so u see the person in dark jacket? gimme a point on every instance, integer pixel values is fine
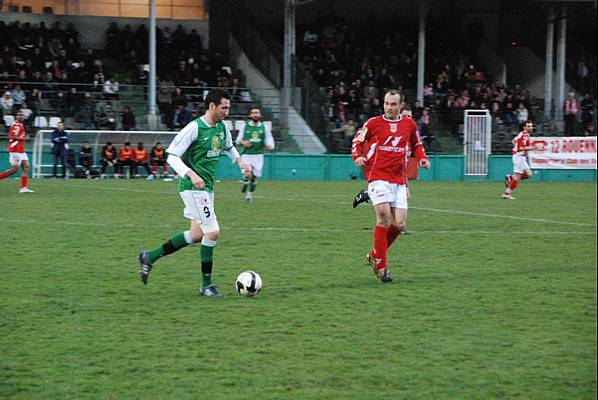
(60, 139)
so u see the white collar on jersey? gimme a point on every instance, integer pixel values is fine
(392, 120)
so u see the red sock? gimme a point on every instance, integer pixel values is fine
(513, 184)
(155, 167)
(380, 245)
(4, 174)
(524, 176)
(24, 179)
(392, 235)
(165, 169)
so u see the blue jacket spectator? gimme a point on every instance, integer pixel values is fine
(60, 140)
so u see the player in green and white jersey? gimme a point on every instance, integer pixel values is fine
(254, 136)
(194, 155)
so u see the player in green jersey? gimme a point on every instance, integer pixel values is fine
(194, 155)
(254, 136)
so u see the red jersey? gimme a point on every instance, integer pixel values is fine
(521, 140)
(384, 144)
(17, 130)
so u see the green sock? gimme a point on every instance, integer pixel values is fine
(252, 187)
(206, 265)
(176, 242)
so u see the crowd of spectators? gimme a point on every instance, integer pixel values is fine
(356, 66)
(39, 63)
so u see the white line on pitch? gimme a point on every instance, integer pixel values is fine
(285, 229)
(438, 210)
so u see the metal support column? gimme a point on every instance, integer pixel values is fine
(560, 63)
(151, 91)
(421, 51)
(548, 68)
(288, 60)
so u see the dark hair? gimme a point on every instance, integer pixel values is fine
(127, 143)
(215, 96)
(406, 108)
(393, 92)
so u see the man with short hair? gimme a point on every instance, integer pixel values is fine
(522, 144)
(381, 146)
(194, 155)
(17, 136)
(254, 137)
(60, 139)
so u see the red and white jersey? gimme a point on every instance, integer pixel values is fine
(17, 130)
(384, 143)
(521, 140)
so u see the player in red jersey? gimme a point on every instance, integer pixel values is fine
(388, 138)
(17, 136)
(521, 170)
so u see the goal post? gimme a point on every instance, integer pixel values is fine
(477, 141)
(43, 162)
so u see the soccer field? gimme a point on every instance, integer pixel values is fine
(492, 299)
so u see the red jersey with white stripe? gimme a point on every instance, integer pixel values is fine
(521, 140)
(384, 144)
(17, 130)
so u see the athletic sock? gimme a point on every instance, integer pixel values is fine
(4, 174)
(392, 235)
(513, 184)
(24, 180)
(380, 245)
(207, 252)
(176, 242)
(252, 186)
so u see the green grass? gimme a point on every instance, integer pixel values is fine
(485, 304)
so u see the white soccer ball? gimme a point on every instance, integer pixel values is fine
(249, 283)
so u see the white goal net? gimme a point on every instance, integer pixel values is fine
(477, 135)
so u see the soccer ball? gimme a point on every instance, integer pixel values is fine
(249, 283)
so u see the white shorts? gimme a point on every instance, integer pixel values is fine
(256, 161)
(17, 158)
(386, 192)
(520, 165)
(199, 206)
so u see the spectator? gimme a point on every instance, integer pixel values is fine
(59, 104)
(111, 89)
(509, 115)
(179, 98)
(73, 102)
(158, 156)
(60, 140)
(28, 114)
(375, 108)
(105, 122)
(522, 114)
(18, 96)
(128, 119)
(141, 76)
(571, 108)
(348, 130)
(86, 158)
(7, 104)
(587, 114)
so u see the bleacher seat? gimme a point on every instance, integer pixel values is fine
(54, 122)
(40, 122)
(8, 120)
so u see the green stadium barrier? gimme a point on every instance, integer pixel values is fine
(340, 167)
